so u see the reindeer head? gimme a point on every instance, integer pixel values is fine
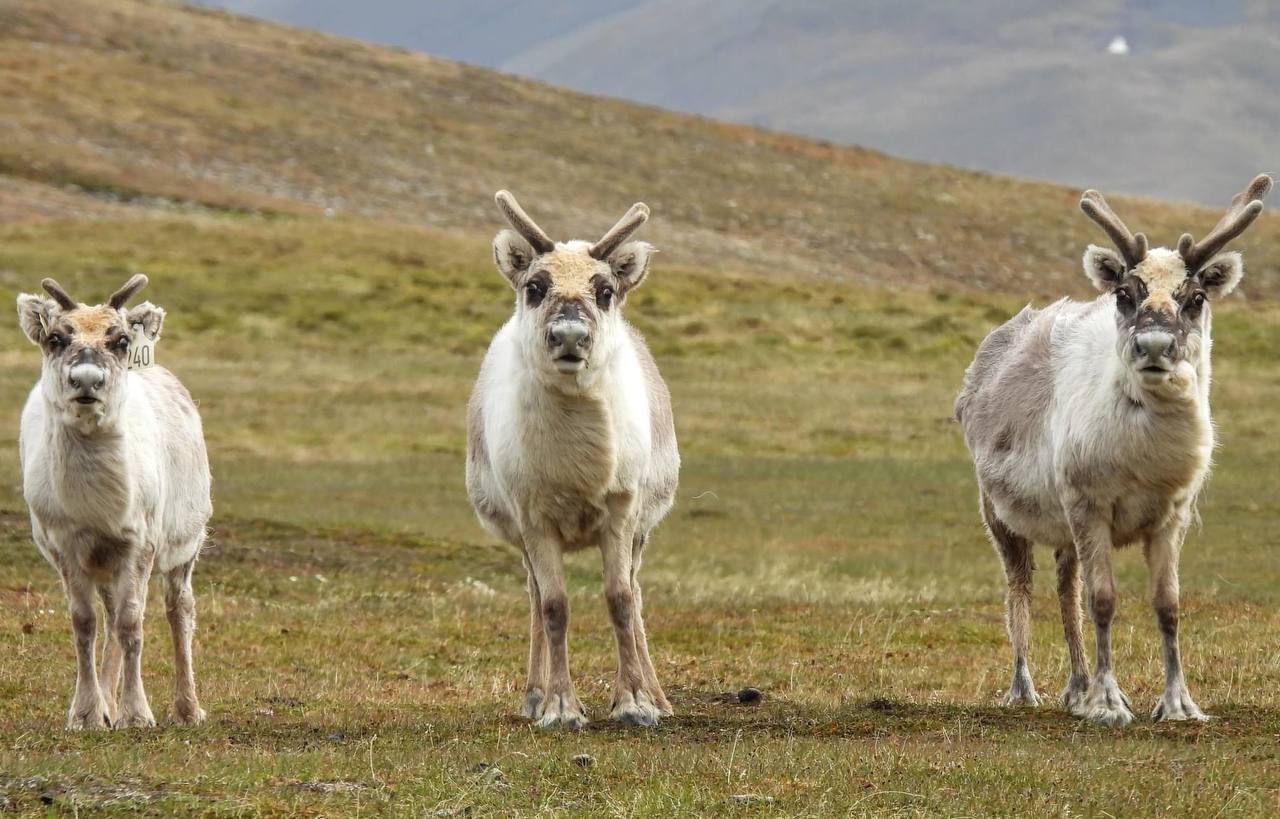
(1161, 296)
(569, 295)
(86, 348)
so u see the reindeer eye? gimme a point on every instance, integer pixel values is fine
(1195, 302)
(121, 343)
(536, 291)
(604, 296)
(57, 341)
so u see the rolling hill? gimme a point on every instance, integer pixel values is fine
(124, 106)
(1022, 88)
(315, 216)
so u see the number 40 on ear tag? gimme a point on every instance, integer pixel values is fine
(142, 350)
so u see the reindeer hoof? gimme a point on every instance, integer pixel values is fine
(187, 715)
(92, 717)
(635, 708)
(140, 718)
(1074, 694)
(1105, 704)
(1021, 692)
(562, 711)
(1177, 706)
(533, 700)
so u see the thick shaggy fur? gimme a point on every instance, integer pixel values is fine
(1078, 447)
(565, 456)
(115, 488)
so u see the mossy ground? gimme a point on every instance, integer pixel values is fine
(361, 640)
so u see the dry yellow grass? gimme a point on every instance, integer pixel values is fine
(361, 639)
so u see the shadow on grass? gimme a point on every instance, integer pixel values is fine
(880, 718)
(437, 727)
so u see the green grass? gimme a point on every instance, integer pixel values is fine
(361, 641)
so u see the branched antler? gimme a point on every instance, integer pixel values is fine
(1132, 246)
(121, 297)
(59, 295)
(524, 225)
(1245, 207)
(620, 232)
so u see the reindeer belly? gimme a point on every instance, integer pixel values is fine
(1022, 491)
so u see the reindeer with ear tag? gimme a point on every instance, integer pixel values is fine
(116, 478)
(1089, 427)
(571, 444)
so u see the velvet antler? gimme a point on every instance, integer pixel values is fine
(524, 225)
(1132, 246)
(1245, 207)
(620, 232)
(121, 297)
(59, 295)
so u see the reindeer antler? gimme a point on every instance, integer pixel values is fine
(524, 225)
(1245, 207)
(121, 297)
(620, 232)
(1132, 246)
(59, 295)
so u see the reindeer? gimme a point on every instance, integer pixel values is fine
(1089, 428)
(117, 482)
(571, 444)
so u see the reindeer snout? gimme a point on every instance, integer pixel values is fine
(88, 378)
(569, 335)
(1155, 344)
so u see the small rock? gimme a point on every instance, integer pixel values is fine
(584, 761)
(493, 776)
(265, 712)
(749, 695)
(751, 799)
(46, 798)
(28, 628)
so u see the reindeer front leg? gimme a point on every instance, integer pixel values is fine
(1104, 702)
(633, 702)
(561, 708)
(1163, 548)
(131, 605)
(535, 691)
(88, 708)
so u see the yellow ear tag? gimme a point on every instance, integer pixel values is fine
(142, 349)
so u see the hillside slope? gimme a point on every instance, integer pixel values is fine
(1024, 88)
(159, 105)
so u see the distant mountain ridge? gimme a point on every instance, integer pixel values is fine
(1022, 88)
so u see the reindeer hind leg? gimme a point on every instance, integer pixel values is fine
(1019, 564)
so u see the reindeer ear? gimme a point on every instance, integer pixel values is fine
(630, 264)
(512, 253)
(35, 313)
(1221, 275)
(1104, 267)
(149, 316)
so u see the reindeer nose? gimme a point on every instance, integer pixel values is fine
(569, 334)
(87, 377)
(1154, 345)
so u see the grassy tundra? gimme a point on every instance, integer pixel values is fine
(361, 639)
